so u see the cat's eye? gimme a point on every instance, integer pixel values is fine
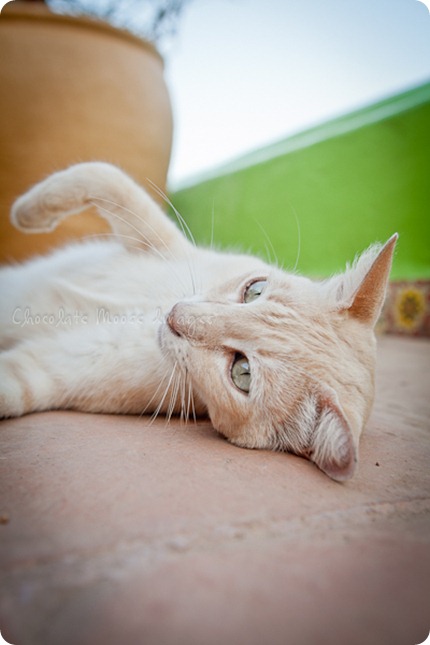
(254, 290)
(241, 373)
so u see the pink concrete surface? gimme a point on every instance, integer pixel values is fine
(114, 531)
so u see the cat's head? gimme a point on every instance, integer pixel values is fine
(282, 362)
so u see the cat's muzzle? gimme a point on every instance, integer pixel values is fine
(173, 321)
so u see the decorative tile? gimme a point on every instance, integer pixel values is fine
(406, 309)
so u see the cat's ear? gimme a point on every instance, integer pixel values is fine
(330, 444)
(360, 291)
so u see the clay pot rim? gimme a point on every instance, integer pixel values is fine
(18, 10)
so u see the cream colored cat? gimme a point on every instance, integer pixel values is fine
(150, 323)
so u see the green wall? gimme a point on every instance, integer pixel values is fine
(345, 184)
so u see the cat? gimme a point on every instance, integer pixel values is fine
(146, 322)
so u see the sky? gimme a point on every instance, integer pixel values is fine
(245, 73)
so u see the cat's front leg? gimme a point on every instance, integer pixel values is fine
(132, 214)
(12, 394)
(42, 375)
(24, 386)
(108, 368)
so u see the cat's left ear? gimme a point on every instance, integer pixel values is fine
(330, 444)
(361, 290)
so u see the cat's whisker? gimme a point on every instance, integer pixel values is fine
(143, 241)
(180, 395)
(266, 248)
(159, 387)
(113, 236)
(271, 254)
(182, 415)
(139, 218)
(94, 199)
(173, 398)
(163, 398)
(151, 400)
(186, 397)
(138, 245)
(184, 227)
(183, 224)
(299, 237)
(191, 400)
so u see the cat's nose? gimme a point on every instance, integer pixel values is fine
(172, 321)
(193, 322)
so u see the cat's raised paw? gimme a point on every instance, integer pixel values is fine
(34, 214)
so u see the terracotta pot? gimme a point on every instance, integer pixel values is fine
(74, 89)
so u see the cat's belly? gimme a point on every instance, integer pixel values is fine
(88, 285)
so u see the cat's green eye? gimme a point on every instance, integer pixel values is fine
(241, 373)
(254, 290)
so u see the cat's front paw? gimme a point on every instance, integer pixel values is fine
(41, 208)
(36, 212)
(15, 396)
(11, 400)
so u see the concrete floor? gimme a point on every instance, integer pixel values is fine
(113, 531)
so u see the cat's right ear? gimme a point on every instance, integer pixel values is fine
(360, 291)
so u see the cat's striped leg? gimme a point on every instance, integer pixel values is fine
(132, 214)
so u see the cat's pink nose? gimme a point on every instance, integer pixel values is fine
(172, 321)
